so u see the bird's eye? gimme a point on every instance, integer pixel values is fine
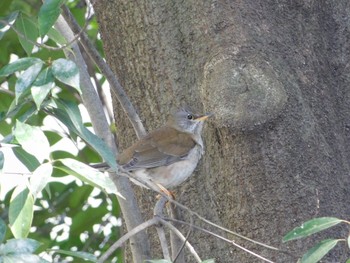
(190, 116)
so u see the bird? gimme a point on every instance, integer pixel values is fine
(167, 156)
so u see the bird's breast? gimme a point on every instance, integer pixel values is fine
(176, 173)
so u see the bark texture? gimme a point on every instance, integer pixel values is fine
(276, 74)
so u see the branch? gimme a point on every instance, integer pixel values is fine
(154, 221)
(158, 211)
(115, 86)
(218, 236)
(192, 213)
(155, 188)
(163, 242)
(139, 246)
(176, 244)
(181, 236)
(126, 237)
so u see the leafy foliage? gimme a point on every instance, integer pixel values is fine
(316, 253)
(20, 250)
(59, 208)
(311, 227)
(319, 251)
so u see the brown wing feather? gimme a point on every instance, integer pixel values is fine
(161, 147)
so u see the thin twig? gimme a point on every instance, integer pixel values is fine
(235, 233)
(176, 244)
(126, 237)
(182, 246)
(181, 236)
(184, 242)
(158, 211)
(163, 242)
(191, 212)
(220, 237)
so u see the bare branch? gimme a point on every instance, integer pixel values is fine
(234, 233)
(158, 208)
(193, 213)
(158, 211)
(176, 244)
(220, 237)
(163, 242)
(180, 256)
(181, 236)
(140, 245)
(126, 237)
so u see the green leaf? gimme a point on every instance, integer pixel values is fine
(21, 212)
(40, 177)
(26, 159)
(348, 261)
(19, 65)
(87, 174)
(48, 14)
(26, 79)
(24, 110)
(2, 230)
(77, 254)
(10, 19)
(20, 246)
(29, 30)
(44, 77)
(2, 159)
(67, 72)
(42, 86)
(30, 111)
(13, 109)
(319, 251)
(310, 227)
(56, 36)
(68, 113)
(33, 140)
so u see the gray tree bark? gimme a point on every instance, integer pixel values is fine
(276, 75)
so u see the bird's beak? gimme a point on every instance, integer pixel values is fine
(204, 117)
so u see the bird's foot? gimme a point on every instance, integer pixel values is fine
(170, 194)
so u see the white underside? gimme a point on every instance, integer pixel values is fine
(173, 174)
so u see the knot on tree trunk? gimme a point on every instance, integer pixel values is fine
(247, 90)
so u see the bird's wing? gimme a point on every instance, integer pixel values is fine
(161, 147)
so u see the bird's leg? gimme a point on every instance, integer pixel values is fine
(166, 191)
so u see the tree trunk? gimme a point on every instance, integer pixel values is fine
(276, 75)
